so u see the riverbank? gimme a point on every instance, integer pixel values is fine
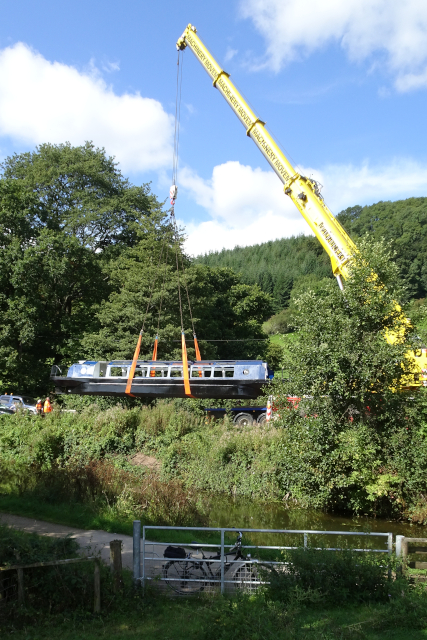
(103, 467)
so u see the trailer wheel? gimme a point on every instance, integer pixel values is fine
(262, 419)
(243, 420)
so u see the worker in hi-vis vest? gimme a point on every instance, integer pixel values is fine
(39, 407)
(47, 408)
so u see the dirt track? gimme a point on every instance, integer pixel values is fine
(91, 542)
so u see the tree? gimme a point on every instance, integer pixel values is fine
(350, 379)
(81, 192)
(65, 213)
(146, 293)
(404, 223)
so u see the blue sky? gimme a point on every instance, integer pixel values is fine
(342, 87)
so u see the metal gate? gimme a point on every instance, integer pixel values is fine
(200, 571)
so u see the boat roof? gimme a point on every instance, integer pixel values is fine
(168, 363)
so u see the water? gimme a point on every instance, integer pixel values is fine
(250, 514)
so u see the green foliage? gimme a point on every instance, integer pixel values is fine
(326, 577)
(64, 212)
(47, 589)
(82, 261)
(279, 323)
(308, 456)
(354, 443)
(342, 351)
(84, 459)
(222, 309)
(404, 224)
(274, 265)
(17, 547)
(277, 266)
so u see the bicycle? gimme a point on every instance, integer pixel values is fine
(188, 575)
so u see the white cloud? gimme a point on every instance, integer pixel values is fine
(394, 32)
(230, 53)
(346, 185)
(247, 206)
(43, 101)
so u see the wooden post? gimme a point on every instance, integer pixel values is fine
(116, 563)
(97, 589)
(21, 593)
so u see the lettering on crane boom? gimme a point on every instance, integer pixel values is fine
(202, 57)
(238, 107)
(227, 93)
(268, 151)
(331, 242)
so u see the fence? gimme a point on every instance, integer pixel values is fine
(197, 572)
(11, 590)
(409, 550)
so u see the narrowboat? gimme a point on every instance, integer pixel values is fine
(224, 379)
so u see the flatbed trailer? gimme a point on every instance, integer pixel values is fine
(247, 416)
(242, 416)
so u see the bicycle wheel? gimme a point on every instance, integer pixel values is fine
(246, 578)
(184, 577)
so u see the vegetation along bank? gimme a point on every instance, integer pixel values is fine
(77, 268)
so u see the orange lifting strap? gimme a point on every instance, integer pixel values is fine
(133, 367)
(198, 358)
(196, 346)
(185, 367)
(156, 341)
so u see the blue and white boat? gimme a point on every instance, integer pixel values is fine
(226, 379)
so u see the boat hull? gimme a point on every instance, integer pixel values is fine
(220, 388)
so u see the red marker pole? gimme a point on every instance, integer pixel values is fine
(268, 417)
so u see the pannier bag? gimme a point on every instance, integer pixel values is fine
(175, 552)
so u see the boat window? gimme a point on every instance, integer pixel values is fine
(176, 372)
(196, 372)
(140, 373)
(158, 372)
(207, 373)
(229, 372)
(118, 372)
(218, 372)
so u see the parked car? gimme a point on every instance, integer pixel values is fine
(5, 410)
(15, 402)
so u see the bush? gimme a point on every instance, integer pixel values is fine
(279, 323)
(332, 577)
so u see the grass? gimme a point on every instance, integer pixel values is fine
(305, 615)
(284, 339)
(224, 619)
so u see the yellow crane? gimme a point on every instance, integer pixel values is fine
(303, 191)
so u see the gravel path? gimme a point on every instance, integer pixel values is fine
(90, 541)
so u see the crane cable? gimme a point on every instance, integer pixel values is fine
(138, 344)
(156, 340)
(173, 194)
(174, 188)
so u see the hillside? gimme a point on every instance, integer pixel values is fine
(277, 266)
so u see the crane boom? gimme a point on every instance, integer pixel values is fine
(303, 191)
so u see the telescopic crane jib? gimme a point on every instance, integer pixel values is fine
(303, 191)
